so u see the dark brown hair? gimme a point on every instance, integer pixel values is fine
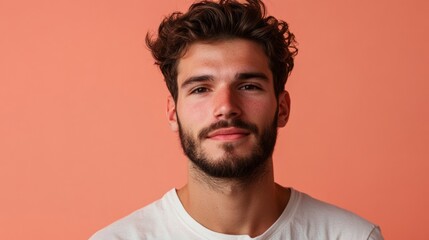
(227, 19)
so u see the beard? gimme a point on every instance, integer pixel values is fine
(231, 165)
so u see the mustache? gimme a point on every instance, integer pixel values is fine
(238, 123)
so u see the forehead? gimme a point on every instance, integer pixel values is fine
(223, 57)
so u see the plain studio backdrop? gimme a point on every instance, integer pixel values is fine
(84, 138)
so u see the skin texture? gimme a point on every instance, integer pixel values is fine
(225, 81)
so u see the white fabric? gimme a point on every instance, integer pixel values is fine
(303, 218)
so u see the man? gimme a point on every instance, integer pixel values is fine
(225, 65)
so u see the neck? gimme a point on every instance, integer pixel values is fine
(234, 206)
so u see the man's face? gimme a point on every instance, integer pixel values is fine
(226, 112)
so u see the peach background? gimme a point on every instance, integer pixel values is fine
(84, 138)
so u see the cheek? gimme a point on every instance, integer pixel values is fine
(260, 108)
(193, 114)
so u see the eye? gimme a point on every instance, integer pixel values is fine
(249, 87)
(199, 90)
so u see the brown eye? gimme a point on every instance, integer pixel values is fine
(199, 90)
(250, 87)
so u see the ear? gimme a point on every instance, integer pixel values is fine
(171, 114)
(284, 109)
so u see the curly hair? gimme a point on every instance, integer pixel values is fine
(227, 19)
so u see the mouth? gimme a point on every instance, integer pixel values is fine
(228, 134)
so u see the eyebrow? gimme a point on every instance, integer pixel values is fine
(249, 75)
(196, 79)
(238, 76)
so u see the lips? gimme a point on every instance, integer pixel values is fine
(230, 133)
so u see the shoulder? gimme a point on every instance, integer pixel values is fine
(319, 217)
(139, 223)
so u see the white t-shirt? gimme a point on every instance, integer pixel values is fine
(303, 218)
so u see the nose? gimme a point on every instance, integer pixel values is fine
(226, 104)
